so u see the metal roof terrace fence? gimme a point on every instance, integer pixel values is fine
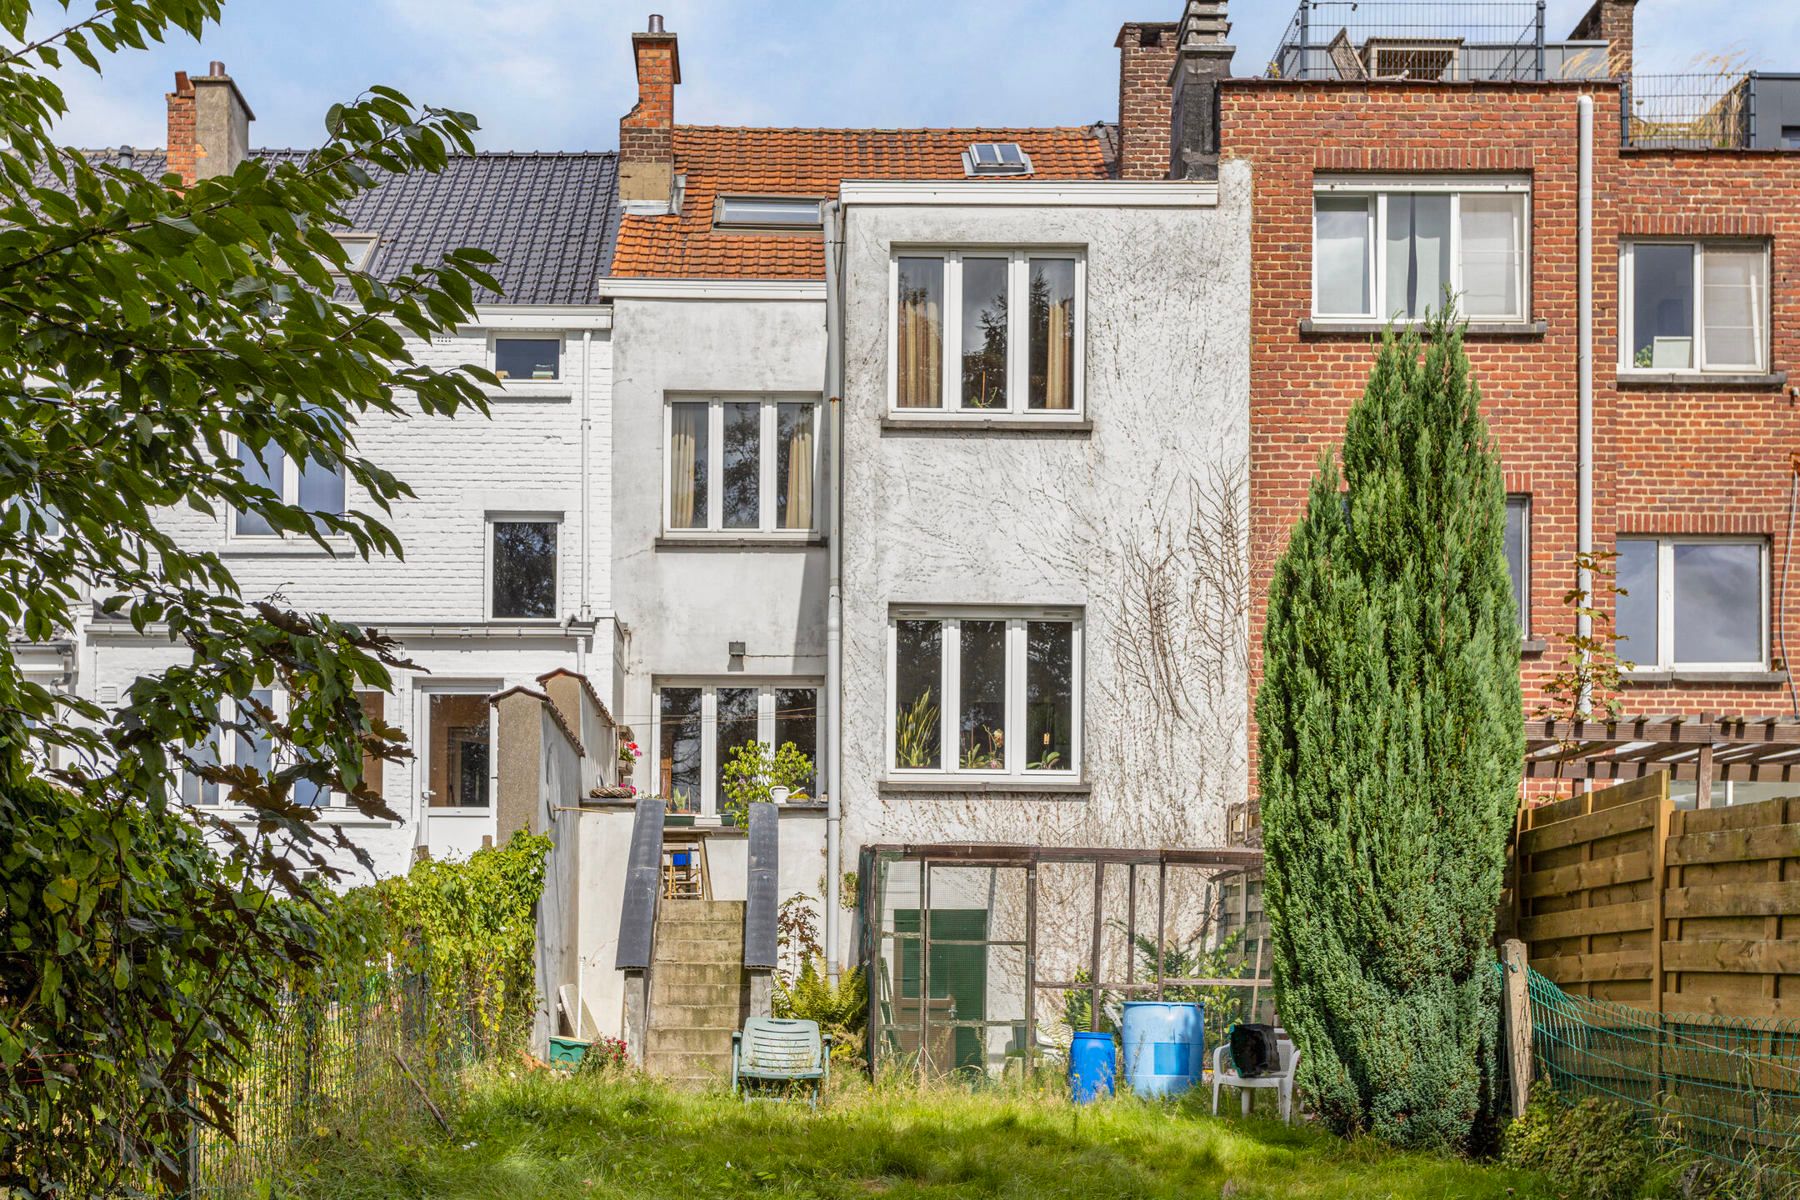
(1429, 40)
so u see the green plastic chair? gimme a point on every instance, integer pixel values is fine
(777, 1051)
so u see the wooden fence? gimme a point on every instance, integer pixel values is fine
(1622, 897)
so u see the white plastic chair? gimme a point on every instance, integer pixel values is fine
(1282, 1080)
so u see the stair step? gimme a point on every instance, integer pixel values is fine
(671, 988)
(697, 1016)
(701, 951)
(691, 974)
(689, 1041)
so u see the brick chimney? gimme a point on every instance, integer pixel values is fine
(1202, 59)
(647, 132)
(1146, 58)
(209, 125)
(1612, 22)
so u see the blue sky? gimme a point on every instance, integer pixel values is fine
(556, 74)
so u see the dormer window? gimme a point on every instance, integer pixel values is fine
(769, 212)
(996, 158)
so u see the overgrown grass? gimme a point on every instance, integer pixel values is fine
(519, 1135)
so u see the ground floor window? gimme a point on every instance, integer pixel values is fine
(992, 693)
(1698, 603)
(699, 725)
(237, 741)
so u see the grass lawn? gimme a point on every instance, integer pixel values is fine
(531, 1134)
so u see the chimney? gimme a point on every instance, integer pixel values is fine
(1610, 21)
(1146, 59)
(209, 125)
(647, 132)
(1202, 59)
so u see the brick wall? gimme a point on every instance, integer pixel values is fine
(181, 140)
(647, 132)
(1146, 57)
(1667, 459)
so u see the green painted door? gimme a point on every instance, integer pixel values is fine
(958, 973)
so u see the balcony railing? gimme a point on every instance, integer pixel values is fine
(1429, 40)
(1717, 110)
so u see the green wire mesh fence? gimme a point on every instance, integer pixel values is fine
(1726, 1087)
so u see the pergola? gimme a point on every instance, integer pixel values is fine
(1706, 749)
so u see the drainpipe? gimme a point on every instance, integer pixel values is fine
(1584, 508)
(834, 603)
(586, 616)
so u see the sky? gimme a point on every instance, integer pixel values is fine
(557, 74)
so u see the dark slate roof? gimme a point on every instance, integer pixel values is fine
(552, 218)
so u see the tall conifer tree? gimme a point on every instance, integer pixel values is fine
(1391, 743)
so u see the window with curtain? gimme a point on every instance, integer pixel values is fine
(1394, 252)
(1699, 603)
(1009, 321)
(764, 453)
(1694, 306)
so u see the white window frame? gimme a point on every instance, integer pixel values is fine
(950, 702)
(1665, 603)
(708, 802)
(487, 572)
(1628, 306)
(1377, 190)
(1523, 500)
(359, 247)
(814, 203)
(561, 387)
(422, 695)
(228, 739)
(290, 494)
(1018, 333)
(768, 470)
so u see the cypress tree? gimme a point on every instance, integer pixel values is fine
(1391, 740)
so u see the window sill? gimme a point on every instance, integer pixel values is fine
(1011, 786)
(1698, 381)
(1533, 646)
(549, 390)
(283, 547)
(716, 541)
(1682, 675)
(939, 423)
(330, 815)
(1309, 327)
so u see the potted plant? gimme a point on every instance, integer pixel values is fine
(678, 809)
(628, 755)
(755, 771)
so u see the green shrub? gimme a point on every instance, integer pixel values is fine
(1589, 1150)
(841, 1011)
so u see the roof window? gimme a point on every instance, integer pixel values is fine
(996, 158)
(769, 212)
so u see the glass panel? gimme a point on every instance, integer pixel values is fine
(1662, 307)
(527, 358)
(1341, 254)
(1049, 695)
(525, 569)
(918, 692)
(1418, 254)
(1052, 333)
(981, 723)
(678, 755)
(195, 790)
(797, 721)
(687, 466)
(919, 348)
(1718, 602)
(321, 489)
(459, 750)
(794, 460)
(374, 705)
(253, 747)
(308, 794)
(1492, 255)
(737, 725)
(267, 473)
(1636, 622)
(788, 214)
(742, 469)
(1735, 299)
(984, 332)
(1518, 517)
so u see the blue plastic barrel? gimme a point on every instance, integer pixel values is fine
(1165, 1047)
(1091, 1064)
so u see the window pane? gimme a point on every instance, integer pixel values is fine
(687, 466)
(1662, 306)
(1718, 602)
(743, 466)
(981, 724)
(321, 488)
(919, 369)
(678, 755)
(918, 692)
(267, 473)
(1491, 255)
(1518, 516)
(253, 747)
(797, 721)
(1052, 333)
(1735, 298)
(374, 705)
(308, 794)
(1341, 255)
(737, 725)
(195, 790)
(984, 332)
(459, 751)
(794, 460)
(1049, 695)
(784, 213)
(525, 568)
(527, 358)
(1636, 622)
(1418, 254)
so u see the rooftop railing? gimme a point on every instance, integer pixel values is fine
(1687, 112)
(1477, 40)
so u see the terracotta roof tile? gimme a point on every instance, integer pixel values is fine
(809, 162)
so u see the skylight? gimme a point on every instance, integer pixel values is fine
(996, 158)
(360, 247)
(769, 212)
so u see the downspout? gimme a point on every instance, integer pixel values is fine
(834, 603)
(1584, 319)
(586, 612)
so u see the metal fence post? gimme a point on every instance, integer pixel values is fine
(1540, 41)
(1305, 35)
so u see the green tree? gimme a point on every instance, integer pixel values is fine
(1391, 742)
(155, 339)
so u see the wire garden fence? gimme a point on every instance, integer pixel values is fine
(1726, 1087)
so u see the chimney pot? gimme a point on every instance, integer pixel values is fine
(215, 68)
(656, 23)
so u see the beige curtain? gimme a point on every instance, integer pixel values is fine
(1059, 364)
(921, 352)
(800, 478)
(685, 432)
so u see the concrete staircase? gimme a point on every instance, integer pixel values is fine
(698, 992)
